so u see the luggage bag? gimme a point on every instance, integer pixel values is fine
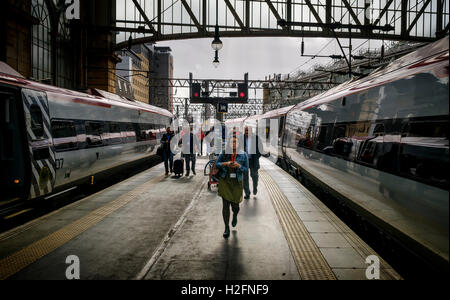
(178, 167)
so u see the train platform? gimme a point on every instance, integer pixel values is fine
(155, 227)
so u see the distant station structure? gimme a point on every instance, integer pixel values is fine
(321, 77)
(147, 69)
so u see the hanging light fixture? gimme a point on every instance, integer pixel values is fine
(216, 61)
(217, 43)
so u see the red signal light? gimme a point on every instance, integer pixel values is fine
(196, 95)
(242, 95)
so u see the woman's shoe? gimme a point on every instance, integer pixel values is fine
(226, 233)
(234, 222)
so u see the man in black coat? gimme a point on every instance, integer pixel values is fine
(167, 153)
(254, 149)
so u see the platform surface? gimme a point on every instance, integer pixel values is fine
(155, 227)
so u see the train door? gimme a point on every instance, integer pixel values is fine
(282, 135)
(42, 156)
(13, 171)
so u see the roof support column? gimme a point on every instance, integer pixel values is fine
(440, 7)
(247, 14)
(289, 12)
(404, 18)
(204, 15)
(159, 17)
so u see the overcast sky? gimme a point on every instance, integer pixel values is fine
(259, 57)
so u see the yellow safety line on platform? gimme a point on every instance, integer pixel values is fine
(387, 272)
(22, 258)
(17, 213)
(310, 262)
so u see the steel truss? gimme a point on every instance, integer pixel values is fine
(158, 20)
(252, 84)
(254, 106)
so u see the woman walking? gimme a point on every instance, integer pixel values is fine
(231, 185)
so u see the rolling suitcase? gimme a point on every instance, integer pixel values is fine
(178, 167)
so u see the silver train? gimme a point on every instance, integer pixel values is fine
(53, 139)
(381, 145)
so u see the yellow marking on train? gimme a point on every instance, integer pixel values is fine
(22, 258)
(310, 262)
(17, 213)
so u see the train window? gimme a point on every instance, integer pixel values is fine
(158, 132)
(339, 131)
(424, 152)
(37, 123)
(114, 128)
(143, 131)
(115, 136)
(341, 145)
(322, 138)
(137, 131)
(93, 133)
(64, 135)
(130, 133)
(378, 130)
(434, 129)
(371, 151)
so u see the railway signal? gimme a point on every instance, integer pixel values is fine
(196, 91)
(243, 91)
(239, 95)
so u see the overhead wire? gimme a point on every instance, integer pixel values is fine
(331, 40)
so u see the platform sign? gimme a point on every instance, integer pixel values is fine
(222, 107)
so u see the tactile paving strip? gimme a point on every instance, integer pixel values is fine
(310, 262)
(22, 258)
(387, 272)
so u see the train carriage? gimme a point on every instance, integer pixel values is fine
(381, 143)
(53, 139)
(379, 146)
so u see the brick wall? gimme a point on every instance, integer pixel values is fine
(101, 64)
(15, 37)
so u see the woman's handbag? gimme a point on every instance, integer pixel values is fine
(215, 172)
